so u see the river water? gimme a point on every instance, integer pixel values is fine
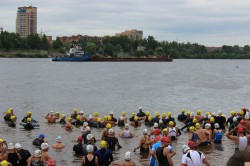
(40, 85)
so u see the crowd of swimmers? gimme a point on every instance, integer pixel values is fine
(156, 139)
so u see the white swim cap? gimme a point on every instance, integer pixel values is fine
(10, 146)
(207, 125)
(38, 153)
(90, 148)
(216, 125)
(44, 146)
(17, 145)
(85, 124)
(185, 148)
(126, 126)
(110, 131)
(89, 136)
(145, 131)
(59, 139)
(235, 119)
(127, 156)
(155, 124)
(160, 121)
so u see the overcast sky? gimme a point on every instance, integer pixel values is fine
(207, 22)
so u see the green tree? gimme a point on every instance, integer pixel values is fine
(57, 43)
(91, 48)
(44, 43)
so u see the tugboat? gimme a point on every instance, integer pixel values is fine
(75, 54)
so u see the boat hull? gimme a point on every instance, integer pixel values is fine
(130, 59)
(71, 59)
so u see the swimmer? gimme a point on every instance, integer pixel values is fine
(68, 126)
(217, 134)
(203, 135)
(89, 159)
(126, 133)
(113, 119)
(29, 124)
(51, 117)
(62, 120)
(77, 148)
(112, 141)
(182, 117)
(127, 160)
(58, 144)
(136, 122)
(102, 153)
(28, 115)
(39, 140)
(173, 132)
(12, 122)
(74, 113)
(132, 117)
(122, 120)
(9, 113)
(105, 132)
(198, 115)
(91, 141)
(45, 148)
(141, 115)
(144, 142)
(156, 118)
(36, 159)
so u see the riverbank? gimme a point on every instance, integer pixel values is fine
(26, 54)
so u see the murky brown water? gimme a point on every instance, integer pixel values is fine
(40, 85)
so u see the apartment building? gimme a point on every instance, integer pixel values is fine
(26, 21)
(132, 34)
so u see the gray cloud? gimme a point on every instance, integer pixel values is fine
(208, 22)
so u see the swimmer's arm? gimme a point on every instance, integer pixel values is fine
(206, 162)
(230, 136)
(167, 153)
(140, 143)
(83, 160)
(121, 134)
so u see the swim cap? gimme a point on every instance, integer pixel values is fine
(198, 112)
(194, 120)
(28, 113)
(105, 118)
(220, 112)
(78, 117)
(95, 114)
(233, 113)
(123, 113)
(156, 124)
(111, 113)
(69, 119)
(41, 136)
(157, 114)
(59, 139)
(140, 108)
(145, 132)
(188, 113)
(182, 110)
(235, 119)
(10, 146)
(17, 145)
(85, 124)
(37, 153)
(79, 139)
(4, 163)
(147, 113)
(8, 111)
(240, 130)
(157, 131)
(29, 119)
(12, 118)
(197, 125)
(150, 119)
(185, 148)
(111, 131)
(165, 129)
(247, 117)
(57, 112)
(191, 114)
(242, 122)
(207, 125)
(103, 144)
(99, 119)
(90, 148)
(108, 126)
(89, 137)
(192, 128)
(87, 128)
(133, 114)
(136, 118)
(165, 139)
(157, 138)
(126, 126)
(171, 123)
(81, 112)
(169, 113)
(63, 116)
(216, 125)
(109, 118)
(2, 140)
(191, 144)
(207, 113)
(51, 163)
(51, 112)
(44, 146)
(212, 119)
(75, 110)
(163, 115)
(127, 156)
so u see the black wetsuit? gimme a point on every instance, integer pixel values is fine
(37, 142)
(13, 159)
(112, 142)
(182, 117)
(163, 160)
(25, 154)
(77, 148)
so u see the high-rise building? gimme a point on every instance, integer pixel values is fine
(26, 21)
(132, 34)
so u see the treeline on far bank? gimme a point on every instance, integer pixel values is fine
(13, 45)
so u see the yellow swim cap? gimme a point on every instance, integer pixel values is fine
(109, 118)
(108, 126)
(123, 113)
(182, 110)
(28, 113)
(191, 128)
(105, 118)
(133, 114)
(171, 123)
(147, 113)
(163, 115)
(103, 144)
(12, 118)
(165, 129)
(99, 119)
(4, 163)
(75, 110)
(157, 114)
(9, 111)
(63, 116)
(188, 113)
(69, 119)
(233, 113)
(194, 120)
(1, 140)
(169, 113)
(150, 118)
(207, 113)
(136, 118)
(95, 114)
(57, 112)
(241, 112)
(212, 119)
(29, 119)
(198, 112)
(78, 117)
(197, 125)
